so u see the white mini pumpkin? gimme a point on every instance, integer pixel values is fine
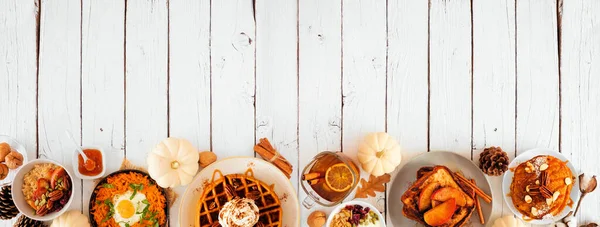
(72, 218)
(508, 221)
(379, 154)
(173, 162)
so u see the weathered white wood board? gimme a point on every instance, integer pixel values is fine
(309, 75)
(537, 96)
(407, 87)
(537, 75)
(102, 83)
(363, 77)
(580, 70)
(189, 78)
(450, 76)
(494, 85)
(320, 94)
(233, 77)
(59, 99)
(18, 73)
(277, 78)
(146, 120)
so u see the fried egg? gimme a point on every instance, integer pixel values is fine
(128, 208)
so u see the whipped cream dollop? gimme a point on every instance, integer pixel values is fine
(239, 212)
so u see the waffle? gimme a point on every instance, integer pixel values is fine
(225, 188)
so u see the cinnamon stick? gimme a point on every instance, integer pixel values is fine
(268, 152)
(311, 176)
(478, 191)
(478, 206)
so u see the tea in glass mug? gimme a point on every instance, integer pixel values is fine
(328, 179)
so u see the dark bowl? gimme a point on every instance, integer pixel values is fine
(103, 181)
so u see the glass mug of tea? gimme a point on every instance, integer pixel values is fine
(328, 179)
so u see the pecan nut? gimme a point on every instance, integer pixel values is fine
(230, 190)
(545, 179)
(546, 193)
(41, 210)
(253, 195)
(55, 195)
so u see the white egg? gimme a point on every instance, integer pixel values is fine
(128, 210)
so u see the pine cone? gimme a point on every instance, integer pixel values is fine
(493, 161)
(8, 210)
(24, 221)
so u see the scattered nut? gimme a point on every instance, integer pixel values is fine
(527, 188)
(529, 168)
(555, 195)
(42, 210)
(4, 150)
(549, 201)
(14, 159)
(537, 182)
(317, 219)
(568, 181)
(55, 195)
(528, 199)
(543, 167)
(534, 211)
(3, 171)
(207, 158)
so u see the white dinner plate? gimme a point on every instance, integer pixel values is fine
(508, 176)
(408, 174)
(263, 171)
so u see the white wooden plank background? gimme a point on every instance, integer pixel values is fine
(494, 84)
(18, 76)
(320, 83)
(407, 78)
(189, 77)
(59, 80)
(102, 82)
(310, 75)
(363, 76)
(580, 76)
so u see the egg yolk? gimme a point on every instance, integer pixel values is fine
(125, 208)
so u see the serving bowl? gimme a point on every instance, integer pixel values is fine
(339, 208)
(508, 177)
(19, 198)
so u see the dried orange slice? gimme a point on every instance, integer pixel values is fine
(339, 177)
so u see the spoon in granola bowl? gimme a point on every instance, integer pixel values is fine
(89, 164)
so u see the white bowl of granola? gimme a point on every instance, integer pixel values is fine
(355, 213)
(42, 189)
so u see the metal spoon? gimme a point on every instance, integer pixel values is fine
(88, 163)
(585, 189)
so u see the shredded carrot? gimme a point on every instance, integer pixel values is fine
(120, 184)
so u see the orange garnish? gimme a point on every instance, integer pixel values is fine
(339, 177)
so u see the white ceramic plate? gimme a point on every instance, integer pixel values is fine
(19, 148)
(263, 171)
(408, 174)
(338, 208)
(508, 176)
